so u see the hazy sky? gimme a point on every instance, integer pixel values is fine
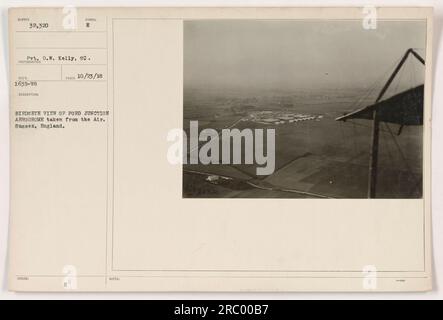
(283, 55)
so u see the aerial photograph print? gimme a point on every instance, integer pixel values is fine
(303, 109)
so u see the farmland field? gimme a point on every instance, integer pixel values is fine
(316, 157)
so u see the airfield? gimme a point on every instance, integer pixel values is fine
(316, 156)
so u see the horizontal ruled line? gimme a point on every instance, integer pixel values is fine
(55, 31)
(60, 64)
(65, 80)
(70, 48)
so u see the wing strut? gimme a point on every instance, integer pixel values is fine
(372, 181)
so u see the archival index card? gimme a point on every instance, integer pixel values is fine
(220, 149)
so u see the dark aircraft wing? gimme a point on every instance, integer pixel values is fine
(405, 108)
